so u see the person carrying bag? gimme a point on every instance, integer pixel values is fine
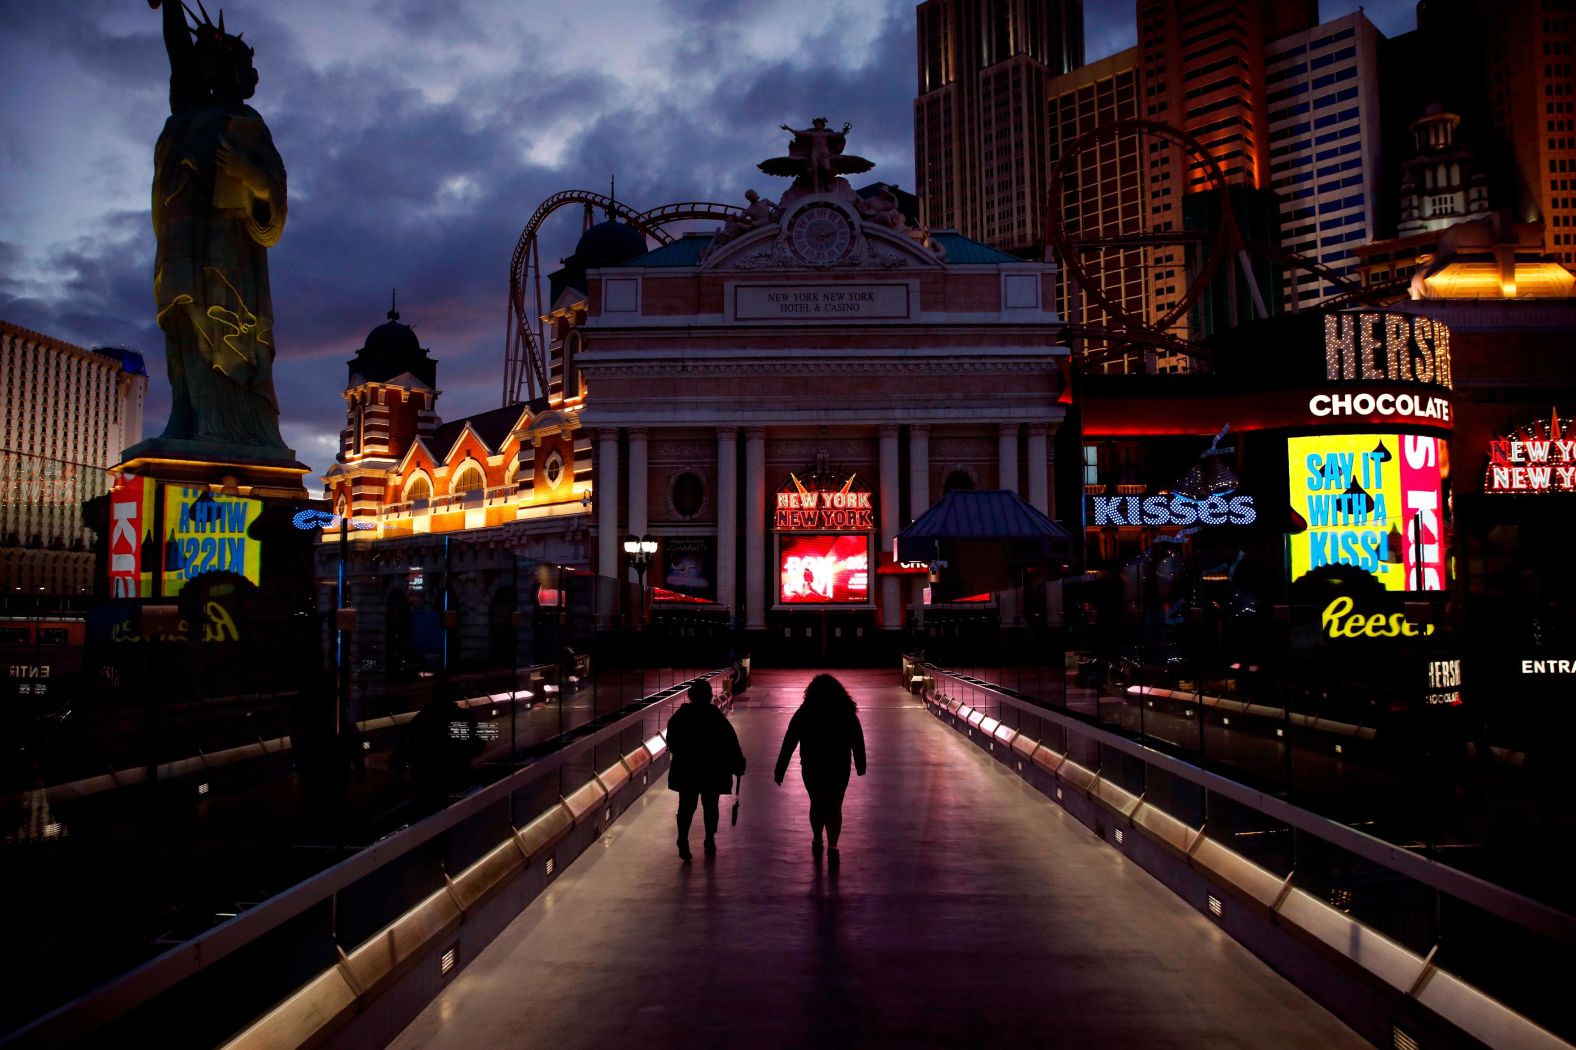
(706, 759)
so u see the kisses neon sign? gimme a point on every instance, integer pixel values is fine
(1173, 509)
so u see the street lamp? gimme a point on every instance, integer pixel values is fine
(640, 549)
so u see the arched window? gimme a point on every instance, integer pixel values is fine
(419, 488)
(958, 481)
(469, 479)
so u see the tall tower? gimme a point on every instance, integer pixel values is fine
(1203, 72)
(1323, 93)
(391, 399)
(67, 414)
(980, 144)
(1103, 196)
(1530, 73)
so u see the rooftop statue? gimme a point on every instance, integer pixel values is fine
(757, 213)
(815, 157)
(218, 206)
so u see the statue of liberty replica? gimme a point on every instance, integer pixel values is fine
(219, 204)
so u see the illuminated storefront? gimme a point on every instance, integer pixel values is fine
(771, 402)
(1286, 528)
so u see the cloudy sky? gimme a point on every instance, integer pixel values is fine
(419, 137)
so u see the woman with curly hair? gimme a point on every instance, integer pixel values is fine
(827, 732)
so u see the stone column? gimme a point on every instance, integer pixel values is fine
(1038, 468)
(637, 487)
(755, 567)
(918, 470)
(606, 493)
(1007, 456)
(918, 498)
(891, 593)
(727, 519)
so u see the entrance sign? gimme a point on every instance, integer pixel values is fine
(818, 570)
(820, 302)
(1372, 502)
(821, 507)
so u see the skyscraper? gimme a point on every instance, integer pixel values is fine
(980, 156)
(1530, 77)
(1322, 94)
(1102, 196)
(1202, 63)
(67, 415)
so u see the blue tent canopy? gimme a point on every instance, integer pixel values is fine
(983, 536)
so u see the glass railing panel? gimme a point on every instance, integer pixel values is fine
(379, 898)
(1249, 833)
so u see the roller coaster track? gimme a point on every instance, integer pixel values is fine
(1122, 328)
(525, 357)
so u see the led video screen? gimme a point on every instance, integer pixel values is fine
(822, 569)
(1372, 502)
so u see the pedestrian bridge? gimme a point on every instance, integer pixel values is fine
(967, 910)
(997, 886)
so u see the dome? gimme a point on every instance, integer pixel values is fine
(391, 337)
(392, 349)
(608, 244)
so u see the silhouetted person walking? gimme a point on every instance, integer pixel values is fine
(706, 758)
(827, 732)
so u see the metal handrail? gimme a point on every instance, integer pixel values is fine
(73, 1019)
(1497, 900)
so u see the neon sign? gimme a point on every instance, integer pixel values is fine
(824, 569)
(1369, 347)
(1339, 621)
(1536, 458)
(1173, 509)
(801, 508)
(1396, 408)
(1369, 508)
(309, 520)
(1444, 683)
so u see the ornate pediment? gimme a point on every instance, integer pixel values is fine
(827, 231)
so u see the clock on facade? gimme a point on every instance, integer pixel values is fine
(821, 234)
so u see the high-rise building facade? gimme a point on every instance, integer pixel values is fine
(1103, 196)
(980, 156)
(1322, 94)
(1530, 76)
(1202, 64)
(67, 415)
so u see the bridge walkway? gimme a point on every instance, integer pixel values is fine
(967, 910)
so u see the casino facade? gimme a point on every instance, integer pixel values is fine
(771, 402)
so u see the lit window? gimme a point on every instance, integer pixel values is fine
(469, 479)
